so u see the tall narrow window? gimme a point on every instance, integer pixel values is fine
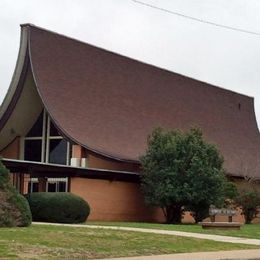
(34, 141)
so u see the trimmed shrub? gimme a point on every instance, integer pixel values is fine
(58, 207)
(14, 208)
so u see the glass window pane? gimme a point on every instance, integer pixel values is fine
(33, 150)
(51, 186)
(62, 186)
(58, 151)
(33, 187)
(53, 130)
(36, 130)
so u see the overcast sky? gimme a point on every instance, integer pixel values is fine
(218, 56)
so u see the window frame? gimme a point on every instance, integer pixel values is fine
(45, 139)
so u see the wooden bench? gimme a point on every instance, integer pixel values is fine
(213, 212)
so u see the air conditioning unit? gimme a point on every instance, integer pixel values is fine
(84, 162)
(75, 162)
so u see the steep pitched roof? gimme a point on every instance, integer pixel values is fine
(110, 103)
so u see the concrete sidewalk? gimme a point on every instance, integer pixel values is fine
(218, 238)
(253, 254)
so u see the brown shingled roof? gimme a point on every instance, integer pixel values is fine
(110, 103)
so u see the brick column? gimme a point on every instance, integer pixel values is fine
(77, 154)
(42, 184)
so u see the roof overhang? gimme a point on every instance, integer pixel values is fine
(37, 169)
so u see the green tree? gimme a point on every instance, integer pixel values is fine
(14, 208)
(182, 171)
(200, 210)
(248, 199)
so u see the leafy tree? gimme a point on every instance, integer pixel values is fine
(200, 210)
(182, 171)
(248, 199)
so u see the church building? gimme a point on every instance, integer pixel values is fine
(76, 118)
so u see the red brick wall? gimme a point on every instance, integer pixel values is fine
(123, 201)
(95, 161)
(101, 162)
(114, 200)
(12, 150)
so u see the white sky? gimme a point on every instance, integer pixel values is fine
(218, 56)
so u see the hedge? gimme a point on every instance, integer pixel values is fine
(58, 207)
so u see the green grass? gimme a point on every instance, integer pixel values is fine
(59, 242)
(247, 231)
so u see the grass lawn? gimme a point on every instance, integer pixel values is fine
(248, 231)
(58, 242)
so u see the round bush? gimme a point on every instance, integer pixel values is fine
(14, 208)
(25, 217)
(60, 207)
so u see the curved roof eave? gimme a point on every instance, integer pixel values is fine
(16, 84)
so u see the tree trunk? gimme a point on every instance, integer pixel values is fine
(249, 215)
(174, 214)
